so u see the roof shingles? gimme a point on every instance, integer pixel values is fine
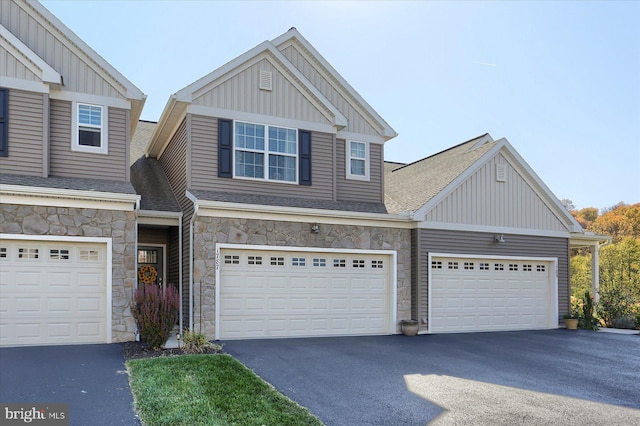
(409, 187)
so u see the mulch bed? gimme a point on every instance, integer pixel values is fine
(139, 350)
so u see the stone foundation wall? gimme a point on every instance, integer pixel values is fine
(208, 231)
(120, 226)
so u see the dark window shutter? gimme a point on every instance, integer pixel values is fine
(4, 122)
(225, 148)
(304, 156)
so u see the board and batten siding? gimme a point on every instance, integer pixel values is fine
(242, 93)
(482, 200)
(358, 190)
(67, 163)
(357, 123)
(204, 166)
(28, 131)
(174, 163)
(78, 72)
(10, 66)
(480, 243)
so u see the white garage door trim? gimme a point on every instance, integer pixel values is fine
(393, 271)
(552, 319)
(70, 239)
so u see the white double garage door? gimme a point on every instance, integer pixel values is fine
(272, 292)
(482, 293)
(54, 291)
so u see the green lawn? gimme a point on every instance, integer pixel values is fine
(208, 390)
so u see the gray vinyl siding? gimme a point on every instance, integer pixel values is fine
(479, 243)
(68, 163)
(204, 166)
(482, 200)
(28, 131)
(357, 122)
(152, 235)
(242, 93)
(173, 255)
(12, 67)
(174, 163)
(358, 190)
(51, 45)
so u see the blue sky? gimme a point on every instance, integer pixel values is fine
(559, 80)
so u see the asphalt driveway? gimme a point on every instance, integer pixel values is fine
(535, 377)
(90, 378)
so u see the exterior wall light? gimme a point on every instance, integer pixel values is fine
(499, 238)
(315, 228)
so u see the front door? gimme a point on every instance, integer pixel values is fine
(151, 265)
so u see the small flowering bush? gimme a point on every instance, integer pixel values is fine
(574, 309)
(156, 312)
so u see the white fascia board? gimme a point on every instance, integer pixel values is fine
(26, 85)
(297, 214)
(492, 229)
(82, 49)
(171, 118)
(293, 33)
(360, 137)
(162, 218)
(558, 209)
(28, 57)
(588, 239)
(422, 211)
(258, 118)
(65, 95)
(56, 197)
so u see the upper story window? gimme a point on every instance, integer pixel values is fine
(90, 128)
(4, 122)
(357, 160)
(265, 152)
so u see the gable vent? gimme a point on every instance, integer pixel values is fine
(501, 173)
(265, 80)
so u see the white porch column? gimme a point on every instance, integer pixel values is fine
(595, 271)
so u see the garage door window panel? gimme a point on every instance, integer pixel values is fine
(59, 254)
(28, 253)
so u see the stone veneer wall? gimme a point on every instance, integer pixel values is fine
(208, 231)
(120, 226)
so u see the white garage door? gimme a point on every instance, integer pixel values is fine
(52, 293)
(480, 294)
(267, 293)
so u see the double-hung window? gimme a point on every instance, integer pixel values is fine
(90, 132)
(265, 152)
(357, 160)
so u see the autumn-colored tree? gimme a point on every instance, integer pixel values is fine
(620, 221)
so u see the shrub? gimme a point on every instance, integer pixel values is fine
(627, 322)
(156, 312)
(194, 343)
(588, 320)
(615, 302)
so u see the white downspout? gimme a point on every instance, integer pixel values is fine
(180, 280)
(191, 222)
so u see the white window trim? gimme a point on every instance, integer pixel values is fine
(367, 161)
(75, 128)
(266, 154)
